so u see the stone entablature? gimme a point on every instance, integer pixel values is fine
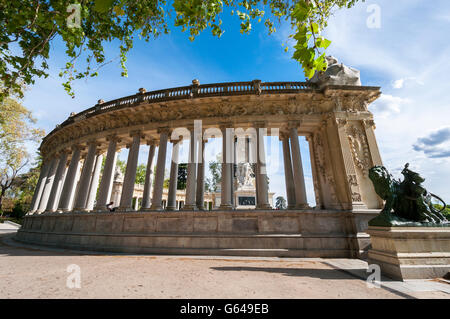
(240, 104)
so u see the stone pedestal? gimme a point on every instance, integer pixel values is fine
(410, 252)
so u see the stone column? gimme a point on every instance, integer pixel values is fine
(288, 175)
(315, 173)
(299, 179)
(70, 181)
(136, 203)
(146, 199)
(201, 176)
(261, 172)
(57, 183)
(226, 168)
(191, 180)
(160, 167)
(39, 187)
(126, 199)
(94, 182)
(172, 195)
(104, 194)
(85, 178)
(77, 183)
(48, 185)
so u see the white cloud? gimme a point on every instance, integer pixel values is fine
(398, 84)
(436, 144)
(387, 104)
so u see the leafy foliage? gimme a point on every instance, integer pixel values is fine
(16, 129)
(140, 171)
(280, 203)
(182, 176)
(445, 212)
(28, 27)
(215, 168)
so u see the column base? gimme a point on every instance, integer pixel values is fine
(303, 206)
(226, 207)
(171, 208)
(264, 206)
(125, 209)
(189, 207)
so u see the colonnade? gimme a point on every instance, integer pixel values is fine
(62, 188)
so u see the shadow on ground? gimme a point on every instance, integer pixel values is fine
(296, 272)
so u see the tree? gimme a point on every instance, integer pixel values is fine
(212, 183)
(28, 27)
(280, 203)
(15, 131)
(140, 171)
(182, 176)
(26, 184)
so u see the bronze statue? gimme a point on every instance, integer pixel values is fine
(408, 203)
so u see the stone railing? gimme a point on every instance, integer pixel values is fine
(186, 92)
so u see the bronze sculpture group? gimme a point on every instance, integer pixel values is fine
(408, 203)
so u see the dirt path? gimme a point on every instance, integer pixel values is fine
(37, 273)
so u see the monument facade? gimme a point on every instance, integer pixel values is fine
(333, 116)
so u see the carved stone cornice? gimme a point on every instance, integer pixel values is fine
(239, 109)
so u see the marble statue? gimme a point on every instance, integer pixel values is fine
(337, 74)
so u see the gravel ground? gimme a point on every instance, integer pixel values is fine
(37, 273)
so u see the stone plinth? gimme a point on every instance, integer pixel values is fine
(410, 252)
(327, 234)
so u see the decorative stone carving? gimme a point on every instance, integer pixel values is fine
(353, 182)
(319, 158)
(359, 148)
(337, 74)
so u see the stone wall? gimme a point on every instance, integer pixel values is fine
(256, 233)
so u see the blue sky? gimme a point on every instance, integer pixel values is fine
(408, 56)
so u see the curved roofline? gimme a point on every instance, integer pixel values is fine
(196, 90)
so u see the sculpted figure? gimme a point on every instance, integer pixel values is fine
(337, 74)
(408, 203)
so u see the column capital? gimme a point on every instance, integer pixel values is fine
(260, 124)
(341, 122)
(136, 132)
(79, 147)
(63, 151)
(153, 142)
(161, 130)
(293, 124)
(369, 123)
(113, 137)
(176, 141)
(309, 137)
(223, 126)
(284, 135)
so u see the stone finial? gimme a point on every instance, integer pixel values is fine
(142, 90)
(195, 82)
(72, 114)
(100, 101)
